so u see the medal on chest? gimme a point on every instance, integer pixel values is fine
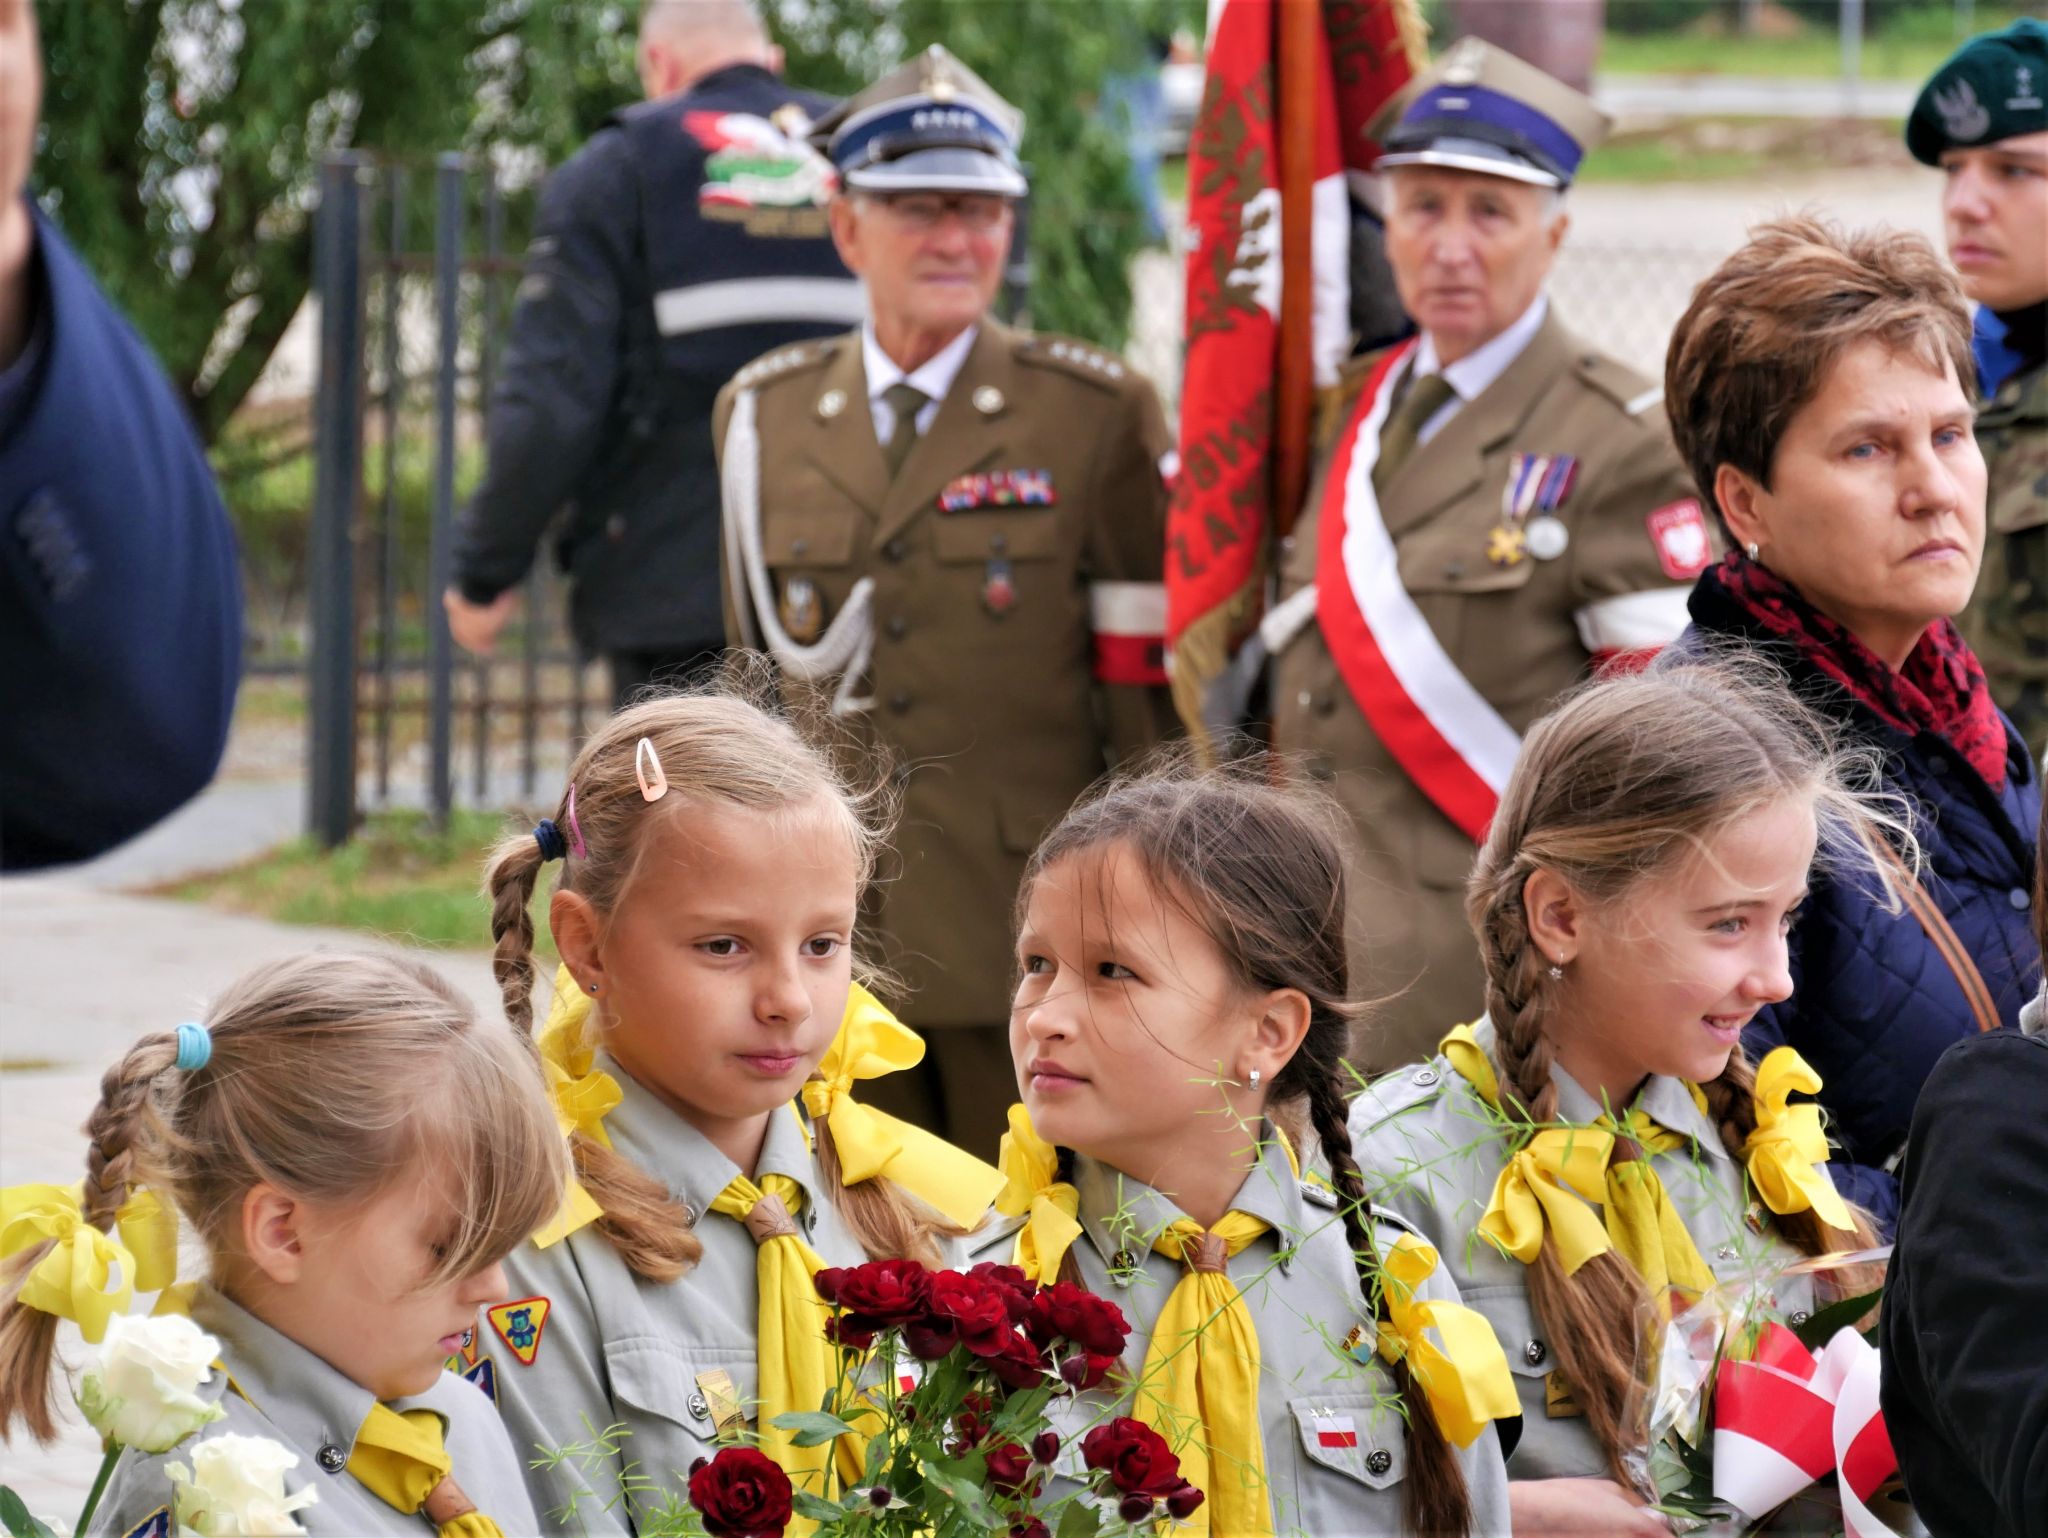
(1529, 528)
(802, 610)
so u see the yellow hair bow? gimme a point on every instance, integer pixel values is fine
(1541, 1185)
(1788, 1150)
(1466, 1380)
(73, 1280)
(872, 1144)
(581, 1095)
(1031, 1184)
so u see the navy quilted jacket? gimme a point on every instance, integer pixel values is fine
(1874, 1004)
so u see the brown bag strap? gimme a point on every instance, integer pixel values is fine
(1936, 923)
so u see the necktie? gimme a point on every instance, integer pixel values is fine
(796, 1366)
(400, 1459)
(905, 400)
(1403, 427)
(1202, 1373)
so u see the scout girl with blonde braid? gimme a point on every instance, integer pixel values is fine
(1598, 1148)
(1178, 1025)
(358, 1152)
(714, 865)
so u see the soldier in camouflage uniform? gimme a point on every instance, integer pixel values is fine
(1983, 118)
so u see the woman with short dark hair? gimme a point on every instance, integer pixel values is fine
(1819, 390)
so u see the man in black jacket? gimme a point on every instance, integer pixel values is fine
(687, 238)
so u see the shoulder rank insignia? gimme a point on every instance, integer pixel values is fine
(156, 1525)
(1679, 531)
(999, 488)
(519, 1324)
(485, 1376)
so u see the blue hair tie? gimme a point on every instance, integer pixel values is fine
(195, 1047)
(552, 845)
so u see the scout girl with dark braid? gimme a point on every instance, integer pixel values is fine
(358, 1152)
(704, 1040)
(1597, 1149)
(1177, 1030)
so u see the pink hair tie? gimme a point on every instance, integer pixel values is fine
(576, 846)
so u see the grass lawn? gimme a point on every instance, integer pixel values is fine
(397, 878)
(1909, 49)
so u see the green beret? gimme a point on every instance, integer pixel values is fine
(1993, 87)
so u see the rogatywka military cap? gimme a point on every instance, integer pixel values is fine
(1993, 87)
(1479, 108)
(931, 125)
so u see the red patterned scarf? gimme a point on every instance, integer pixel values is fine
(1941, 688)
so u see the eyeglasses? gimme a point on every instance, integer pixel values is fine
(922, 211)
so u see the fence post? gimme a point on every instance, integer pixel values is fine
(449, 171)
(337, 489)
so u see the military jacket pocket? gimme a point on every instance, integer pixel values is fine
(792, 540)
(1359, 1436)
(1438, 565)
(1016, 534)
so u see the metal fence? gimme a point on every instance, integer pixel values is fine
(386, 691)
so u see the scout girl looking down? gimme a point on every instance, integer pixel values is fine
(714, 864)
(1178, 1022)
(358, 1152)
(1598, 1147)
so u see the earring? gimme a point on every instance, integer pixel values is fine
(593, 989)
(1557, 970)
(1750, 549)
(1253, 1077)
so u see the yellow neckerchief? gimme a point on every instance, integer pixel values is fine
(1550, 1180)
(1787, 1152)
(400, 1458)
(1031, 1184)
(796, 1365)
(871, 1043)
(1466, 1381)
(871, 1144)
(72, 1280)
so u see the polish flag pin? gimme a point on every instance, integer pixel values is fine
(1336, 1431)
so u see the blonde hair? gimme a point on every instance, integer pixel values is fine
(332, 1076)
(720, 744)
(1628, 776)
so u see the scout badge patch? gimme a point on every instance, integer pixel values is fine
(722, 1405)
(1536, 487)
(802, 610)
(465, 1358)
(485, 1376)
(998, 488)
(1679, 531)
(519, 1324)
(156, 1525)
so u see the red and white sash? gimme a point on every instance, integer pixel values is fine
(1440, 729)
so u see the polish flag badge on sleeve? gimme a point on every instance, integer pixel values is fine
(1334, 1430)
(1679, 531)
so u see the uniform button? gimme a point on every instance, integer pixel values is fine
(1454, 572)
(1799, 1316)
(1534, 1352)
(997, 543)
(1940, 765)
(1325, 703)
(331, 1459)
(688, 1213)
(898, 627)
(1287, 545)
(2019, 899)
(899, 702)
(1378, 1461)
(1725, 1252)
(700, 1407)
(1303, 700)
(1123, 1260)
(799, 547)
(1424, 1077)
(895, 550)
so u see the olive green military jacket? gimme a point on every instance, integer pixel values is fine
(1520, 633)
(1336, 1446)
(283, 1392)
(2007, 621)
(609, 1348)
(1026, 530)
(1431, 1149)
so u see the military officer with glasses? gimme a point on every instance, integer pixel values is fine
(952, 530)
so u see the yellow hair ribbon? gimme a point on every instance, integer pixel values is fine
(581, 1095)
(1788, 1150)
(1466, 1380)
(1031, 1185)
(1466, 1055)
(872, 1144)
(76, 1280)
(1541, 1186)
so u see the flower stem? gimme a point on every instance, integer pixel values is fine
(99, 1487)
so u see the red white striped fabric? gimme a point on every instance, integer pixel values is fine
(1129, 622)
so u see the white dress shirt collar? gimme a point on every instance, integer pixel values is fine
(1471, 374)
(934, 376)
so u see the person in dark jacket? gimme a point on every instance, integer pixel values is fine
(1965, 1381)
(688, 237)
(1819, 391)
(120, 598)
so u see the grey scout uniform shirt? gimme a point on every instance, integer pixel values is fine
(1299, 1283)
(1431, 1149)
(617, 1349)
(293, 1397)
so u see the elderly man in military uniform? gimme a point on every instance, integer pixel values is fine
(1983, 119)
(1496, 511)
(955, 531)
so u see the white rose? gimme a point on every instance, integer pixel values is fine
(235, 1489)
(140, 1392)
